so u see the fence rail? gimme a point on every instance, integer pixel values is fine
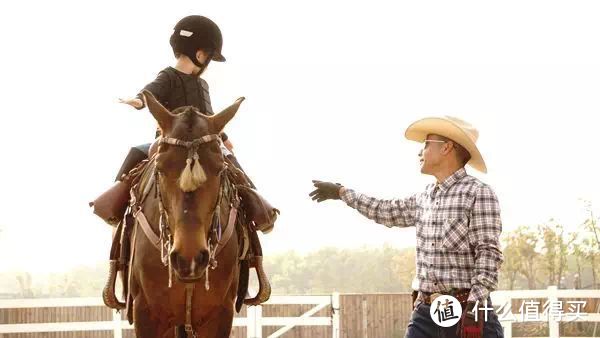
(551, 295)
(348, 315)
(253, 322)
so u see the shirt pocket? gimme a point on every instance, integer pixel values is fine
(455, 232)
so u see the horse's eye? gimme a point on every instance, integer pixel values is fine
(160, 169)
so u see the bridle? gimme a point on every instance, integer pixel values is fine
(164, 241)
(166, 238)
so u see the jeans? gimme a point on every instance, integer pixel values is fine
(422, 326)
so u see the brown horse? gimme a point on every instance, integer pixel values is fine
(186, 198)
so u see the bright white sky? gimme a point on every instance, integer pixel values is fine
(330, 88)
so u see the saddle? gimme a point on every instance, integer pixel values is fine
(108, 207)
(259, 213)
(255, 214)
(112, 204)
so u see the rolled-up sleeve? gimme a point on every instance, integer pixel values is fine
(484, 236)
(390, 212)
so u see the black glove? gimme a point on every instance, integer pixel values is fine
(325, 191)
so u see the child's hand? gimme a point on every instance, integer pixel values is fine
(135, 102)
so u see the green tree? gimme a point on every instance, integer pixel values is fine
(577, 253)
(554, 251)
(526, 242)
(385, 269)
(513, 264)
(590, 245)
(25, 285)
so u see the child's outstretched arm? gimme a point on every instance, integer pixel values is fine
(159, 88)
(134, 102)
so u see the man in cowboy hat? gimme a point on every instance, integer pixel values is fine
(458, 226)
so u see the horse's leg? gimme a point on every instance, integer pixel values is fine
(222, 322)
(219, 326)
(225, 323)
(145, 325)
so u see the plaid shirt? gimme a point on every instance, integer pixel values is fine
(458, 228)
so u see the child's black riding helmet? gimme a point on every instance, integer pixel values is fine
(197, 32)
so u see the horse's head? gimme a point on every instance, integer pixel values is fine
(189, 162)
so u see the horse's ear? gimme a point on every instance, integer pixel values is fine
(221, 119)
(162, 115)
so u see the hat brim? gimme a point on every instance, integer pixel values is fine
(419, 130)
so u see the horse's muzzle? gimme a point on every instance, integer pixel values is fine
(190, 270)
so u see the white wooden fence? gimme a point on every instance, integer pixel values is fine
(552, 294)
(254, 321)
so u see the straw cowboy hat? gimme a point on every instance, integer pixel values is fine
(453, 128)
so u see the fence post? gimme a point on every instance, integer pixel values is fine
(117, 324)
(258, 326)
(250, 321)
(335, 315)
(553, 325)
(365, 321)
(508, 330)
(253, 318)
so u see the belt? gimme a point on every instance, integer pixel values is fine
(462, 295)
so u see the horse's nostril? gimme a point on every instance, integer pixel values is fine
(182, 262)
(189, 268)
(202, 258)
(173, 257)
(179, 263)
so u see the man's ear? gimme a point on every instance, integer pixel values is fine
(448, 147)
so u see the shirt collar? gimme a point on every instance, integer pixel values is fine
(450, 180)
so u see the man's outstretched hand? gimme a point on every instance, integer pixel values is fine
(325, 191)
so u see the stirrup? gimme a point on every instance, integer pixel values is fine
(108, 293)
(264, 287)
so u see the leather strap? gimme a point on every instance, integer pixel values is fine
(428, 298)
(189, 291)
(228, 229)
(149, 186)
(139, 215)
(141, 218)
(129, 300)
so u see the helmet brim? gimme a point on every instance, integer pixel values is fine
(218, 57)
